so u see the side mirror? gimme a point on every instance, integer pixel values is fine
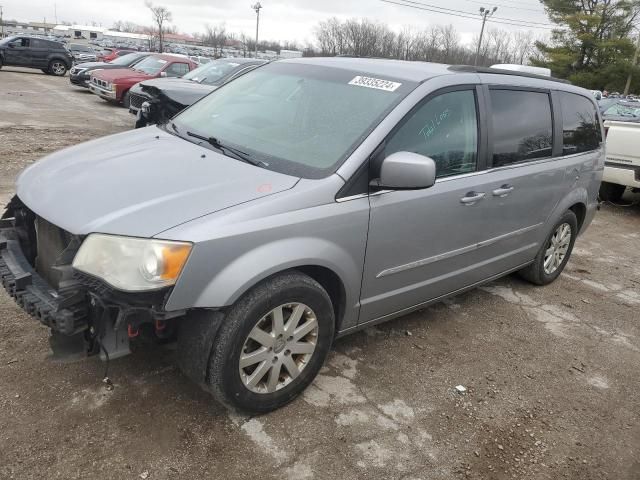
(163, 74)
(407, 171)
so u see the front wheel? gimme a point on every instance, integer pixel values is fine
(272, 343)
(555, 252)
(57, 68)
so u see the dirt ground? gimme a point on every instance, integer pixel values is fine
(552, 373)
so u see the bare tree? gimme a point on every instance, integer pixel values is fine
(161, 16)
(127, 26)
(439, 43)
(215, 36)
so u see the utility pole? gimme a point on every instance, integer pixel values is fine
(257, 8)
(484, 13)
(633, 63)
(1, 24)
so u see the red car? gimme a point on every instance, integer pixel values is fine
(114, 85)
(113, 54)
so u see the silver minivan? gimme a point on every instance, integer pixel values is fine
(306, 200)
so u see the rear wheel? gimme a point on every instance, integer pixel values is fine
(272, 343)
(57, 68)
(0, 63)
(555, 252)
(611, 192)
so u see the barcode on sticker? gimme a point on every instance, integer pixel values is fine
(375, 83)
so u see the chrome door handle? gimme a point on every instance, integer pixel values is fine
(503, 191)
(472, 197)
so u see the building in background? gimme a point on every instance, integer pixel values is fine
(84, 32)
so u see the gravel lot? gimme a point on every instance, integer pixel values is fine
(551, 373)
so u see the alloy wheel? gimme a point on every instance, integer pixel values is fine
(557, 248)
(58, 68)
(278, 348)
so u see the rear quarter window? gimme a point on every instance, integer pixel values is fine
(580, 125)
(522, 126)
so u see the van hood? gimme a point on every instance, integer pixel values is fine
(140, 183)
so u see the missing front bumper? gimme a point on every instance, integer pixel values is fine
(66, 312)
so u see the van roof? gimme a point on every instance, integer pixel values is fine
(407, 70)
(400, 69)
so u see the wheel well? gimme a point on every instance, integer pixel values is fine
(580, 210)
(332, 284)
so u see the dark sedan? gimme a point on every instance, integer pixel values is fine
(79, 74)
(156, 101)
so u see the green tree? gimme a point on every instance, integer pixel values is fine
(591, 46)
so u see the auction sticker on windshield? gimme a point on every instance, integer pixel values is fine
(376, 83)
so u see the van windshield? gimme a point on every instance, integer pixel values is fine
(295, 118)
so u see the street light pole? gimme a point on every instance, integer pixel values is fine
(484, 13)
(257, 8)
(1, 24)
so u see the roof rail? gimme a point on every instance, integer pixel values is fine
(500, 71)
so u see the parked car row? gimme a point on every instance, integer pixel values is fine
(81, 74)
(154, 87)
(114, 84)
(156, 101)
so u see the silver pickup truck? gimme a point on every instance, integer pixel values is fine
(622, 163)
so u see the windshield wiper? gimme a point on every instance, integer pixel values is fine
(228, 150)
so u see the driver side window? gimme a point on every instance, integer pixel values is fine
(444, 128)
(177, 70)
(20, 42)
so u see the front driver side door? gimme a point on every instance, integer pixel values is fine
(423, 244)
(17, 52)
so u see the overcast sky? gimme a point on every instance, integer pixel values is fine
(279, 19)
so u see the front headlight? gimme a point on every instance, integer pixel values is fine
(113, 87)
(132, 264)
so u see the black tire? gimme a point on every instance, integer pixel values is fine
(57, 68)
(141, 123)
(126, 100)
(224, 378)
(535, 273)
(611, 192)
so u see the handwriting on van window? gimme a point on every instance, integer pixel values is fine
(432, 125)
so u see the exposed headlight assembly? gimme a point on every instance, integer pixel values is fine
(132, 264)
